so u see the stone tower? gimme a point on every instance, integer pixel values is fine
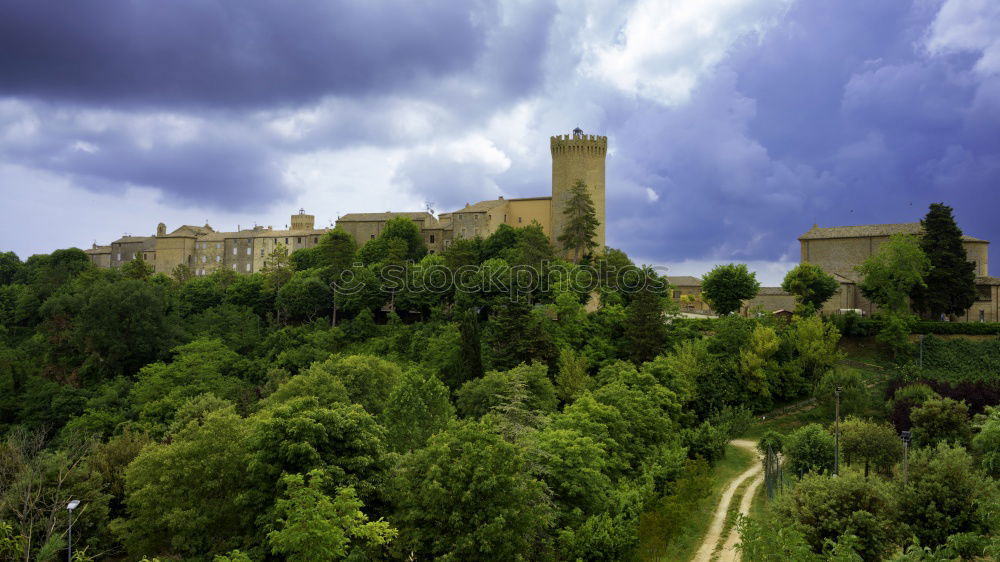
(577, 157)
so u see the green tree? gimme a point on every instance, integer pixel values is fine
(137, 268)
(277, 269)
(533, 247)
(202, 366)
(418, 407)
(816, 345)
(645, 330)
(950, 286)
(369, 380)
(10, 266)
(811, 286)
(944, 494)
(727, 286)
(304, 297)
(498, 244)
(478, 397)
(187, 496)
(182, 273)
(335, 252)
(124, 326)
(515, 335)
(809, 449)
(941, 419)
(826, 509)
(893, 272)
(313, 526)
(471, 348)
(581, 222)
(986, 443)
(469, 495)
(572, 379)
(870, 443)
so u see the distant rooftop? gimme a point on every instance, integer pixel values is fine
(865, 230)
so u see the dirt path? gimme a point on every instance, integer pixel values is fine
(729, 552)
(711, 540)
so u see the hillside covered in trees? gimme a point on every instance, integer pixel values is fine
(492, 402)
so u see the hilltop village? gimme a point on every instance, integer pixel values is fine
(576, 156)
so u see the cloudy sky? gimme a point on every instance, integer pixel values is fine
(733, 125)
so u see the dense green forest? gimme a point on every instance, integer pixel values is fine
(492, 402)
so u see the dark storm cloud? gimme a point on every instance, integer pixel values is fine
(222, 53)
(840, 116)
(189, 161)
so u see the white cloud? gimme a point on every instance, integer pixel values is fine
(652, 195)
(968, 26)
(661, 49)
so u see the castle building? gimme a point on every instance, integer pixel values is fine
(575, 157)
(839, 250)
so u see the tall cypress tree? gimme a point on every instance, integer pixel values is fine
(951, 283)
(471, 352)
(645, 333)
(581, 222)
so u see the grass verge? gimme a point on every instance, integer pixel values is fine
(687, 539)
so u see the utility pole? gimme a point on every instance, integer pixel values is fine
(836, 447)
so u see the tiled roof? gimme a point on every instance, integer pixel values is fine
(375, 217)
(482, 206)
(773, 292)
(190, 230)
(865, 230)
(133, 239)
(98, 250)
(987, 280)
(684, 281)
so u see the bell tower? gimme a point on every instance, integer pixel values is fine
(577, 156)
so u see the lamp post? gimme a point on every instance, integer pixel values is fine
(906, 445)
(69, 508)
(836, 446)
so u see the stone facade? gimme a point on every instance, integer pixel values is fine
(839, 250)
(574, 157)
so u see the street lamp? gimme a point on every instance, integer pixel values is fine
(70, 507)
(906, 445)
(836, 446)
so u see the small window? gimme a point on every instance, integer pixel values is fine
(298, 240)
(248, 268)
(518, 219)
(234, 250)
(249, 251)
(677, 294)
(372, 236)
(982, 315)
(476, 218)
(315, 239)
(218, 245)
(262, 252)
(204, 259)
(218, 259)
(432, 238)
(234, 267)
(286, 241)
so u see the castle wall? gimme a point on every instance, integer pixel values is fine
(841, 255)
(521, 212)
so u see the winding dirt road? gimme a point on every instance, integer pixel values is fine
(714, 535)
